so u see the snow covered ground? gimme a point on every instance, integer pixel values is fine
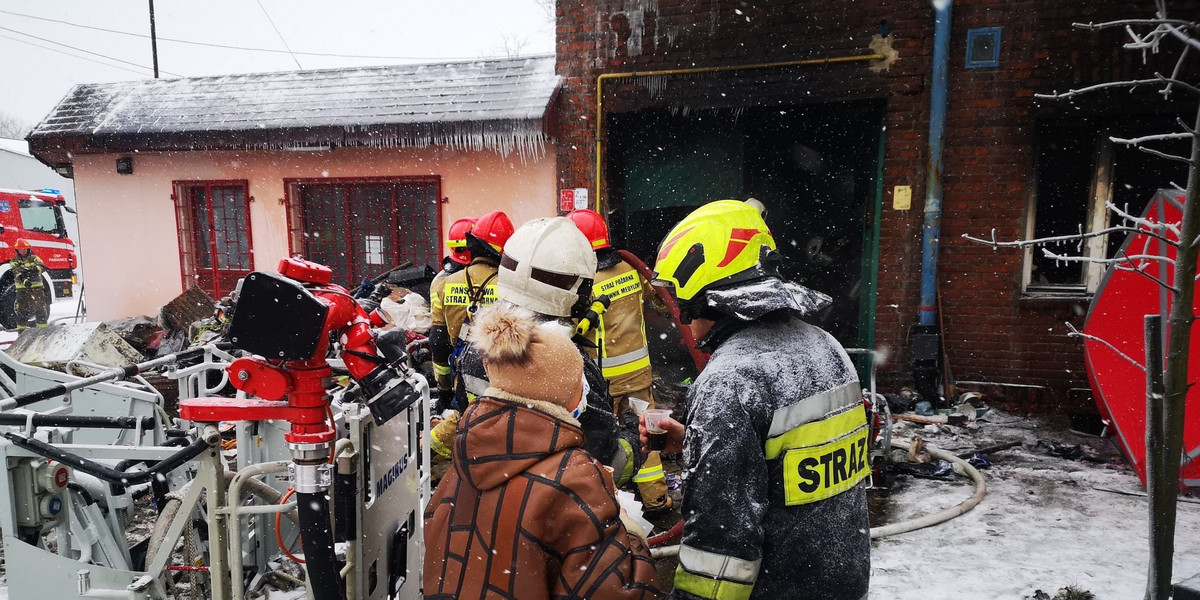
(1043, 524)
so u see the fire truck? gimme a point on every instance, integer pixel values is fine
(37, 217)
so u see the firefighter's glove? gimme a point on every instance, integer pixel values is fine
(442, 435)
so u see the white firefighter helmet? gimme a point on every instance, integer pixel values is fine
(548, 265)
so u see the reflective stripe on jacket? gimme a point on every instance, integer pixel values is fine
(449, 299)
(27, 271)
(774, 470)
(449, 303)
(624, 357)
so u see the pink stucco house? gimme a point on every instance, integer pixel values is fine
(197, 181)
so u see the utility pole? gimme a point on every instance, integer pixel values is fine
(153, 40)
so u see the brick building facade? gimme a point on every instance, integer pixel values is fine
(826, 144)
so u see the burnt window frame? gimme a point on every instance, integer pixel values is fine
(1103, 162)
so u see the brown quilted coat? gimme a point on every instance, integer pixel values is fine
(527, 513)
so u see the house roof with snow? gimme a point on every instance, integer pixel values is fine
(498, 104)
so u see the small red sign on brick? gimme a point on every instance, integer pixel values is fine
(566, 200)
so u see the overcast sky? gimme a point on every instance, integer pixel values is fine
(37, 67)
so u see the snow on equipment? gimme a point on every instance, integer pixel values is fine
(345, 468)
(1115, 329)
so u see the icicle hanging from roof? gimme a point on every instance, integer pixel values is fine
(527, 138)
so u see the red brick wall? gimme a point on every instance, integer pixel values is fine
(991, 333)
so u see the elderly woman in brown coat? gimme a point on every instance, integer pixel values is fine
(526, 512)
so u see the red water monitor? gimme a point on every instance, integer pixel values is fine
(288, 321)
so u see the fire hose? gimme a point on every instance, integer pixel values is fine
(688, 340)
(893, 528)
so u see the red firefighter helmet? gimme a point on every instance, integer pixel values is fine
(457, 240)
(593, 226)
(493, 229)
(22, 244)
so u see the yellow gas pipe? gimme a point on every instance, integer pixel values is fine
(695, 70)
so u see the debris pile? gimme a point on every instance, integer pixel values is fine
(73, 348)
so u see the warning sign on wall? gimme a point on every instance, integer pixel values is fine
(572, 199)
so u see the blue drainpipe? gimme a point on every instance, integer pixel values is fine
(925, 336)
(934, 170)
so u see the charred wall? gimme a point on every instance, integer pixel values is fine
(993, 330)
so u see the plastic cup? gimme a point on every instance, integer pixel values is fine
(657, 435)
(639, 406)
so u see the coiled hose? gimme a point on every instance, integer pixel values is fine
(962, 467)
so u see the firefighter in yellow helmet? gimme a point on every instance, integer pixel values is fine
(774, 439)
(619, 344)
(27, 268)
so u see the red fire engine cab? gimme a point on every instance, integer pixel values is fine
(36, 217)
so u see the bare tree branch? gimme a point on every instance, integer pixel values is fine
(1077, 333)
(1160, 154)
(1179, 82)
(1166, 92)
(1151, 138)
(1141, 270)
(1124, 22)
(1183, 37)
(1184, 125)
(1075, 237)
(1106, 261)
(1132, 84)
(13, 127)
(1152, 226)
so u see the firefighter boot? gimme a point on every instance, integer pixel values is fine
(652, 486)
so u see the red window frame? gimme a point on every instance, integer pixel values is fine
(219, 280)
(298, 241)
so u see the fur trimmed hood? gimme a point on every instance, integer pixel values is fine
(526, 358)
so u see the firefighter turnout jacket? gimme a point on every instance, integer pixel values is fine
(435, 286)
(775, 463)
(27, 271)
(468, 289)
(624, 356)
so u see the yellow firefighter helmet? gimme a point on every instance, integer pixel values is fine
(718, 244)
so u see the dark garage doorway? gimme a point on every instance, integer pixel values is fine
(815, 166)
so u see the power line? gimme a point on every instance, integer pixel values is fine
(55, 50)
(230, 47)
(112, 58)
(285, 44)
